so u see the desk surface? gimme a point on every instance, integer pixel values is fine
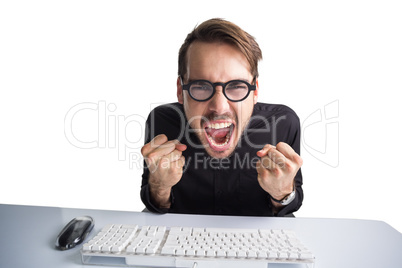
(28, 233)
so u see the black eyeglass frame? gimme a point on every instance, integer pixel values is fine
(214, 85)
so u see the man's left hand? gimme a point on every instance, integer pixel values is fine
(277, 169)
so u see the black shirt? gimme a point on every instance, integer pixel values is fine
(226, 186)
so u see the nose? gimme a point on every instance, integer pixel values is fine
(219, 103)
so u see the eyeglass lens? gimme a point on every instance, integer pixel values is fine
(203, 90)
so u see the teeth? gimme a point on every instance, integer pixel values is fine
(219, 145)
(219, 125)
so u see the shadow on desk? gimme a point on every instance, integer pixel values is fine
(290, 215)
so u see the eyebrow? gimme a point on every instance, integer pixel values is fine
(240, 79)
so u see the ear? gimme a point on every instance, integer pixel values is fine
(180, 98)
(256, 91)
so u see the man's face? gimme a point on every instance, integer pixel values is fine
(217, 122)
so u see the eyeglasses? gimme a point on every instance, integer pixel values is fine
(203, 90)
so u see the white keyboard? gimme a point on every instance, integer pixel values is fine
(161, 246)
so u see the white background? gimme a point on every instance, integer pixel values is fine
(77, 74)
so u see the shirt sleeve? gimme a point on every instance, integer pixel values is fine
(297, 202)
(161, 120)
(293, 139)
(144, 193)
(146, 199)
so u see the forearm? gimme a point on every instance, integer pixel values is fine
(288, 202)
(154, 200)
(279, 196)
(276, 207)
(159, 197)
(280, 210)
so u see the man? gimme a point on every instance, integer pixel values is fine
(218, 151)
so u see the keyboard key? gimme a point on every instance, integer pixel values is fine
(305, 255)
(180, 252)
(211, 253)
(161, 229)
(293, 255)
(241, 254)
(200, 253)
(116, 249)
(151, 231)
(190, 252)
(282, 255)
(150, 250)
(168, 251)
(140, 250)
(107, 247)
(87, 247)
(198, 231)
(231, 253)
(106, 228)
(97, 247)
(272, 255)
(221, 253)
(251, 254)
(262, 254)
(131, 249)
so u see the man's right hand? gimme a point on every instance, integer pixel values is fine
(165, 164)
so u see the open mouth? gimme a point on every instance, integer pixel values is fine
(219, 134)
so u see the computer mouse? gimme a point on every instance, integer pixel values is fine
(74, 232)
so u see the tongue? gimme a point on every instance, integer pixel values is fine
(218, 135)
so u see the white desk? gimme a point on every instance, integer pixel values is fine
(28, 233)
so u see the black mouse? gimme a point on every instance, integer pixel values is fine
(74, 232)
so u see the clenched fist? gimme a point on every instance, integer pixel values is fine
(165, 163)
(277, 169)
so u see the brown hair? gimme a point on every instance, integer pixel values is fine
(219, 30)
